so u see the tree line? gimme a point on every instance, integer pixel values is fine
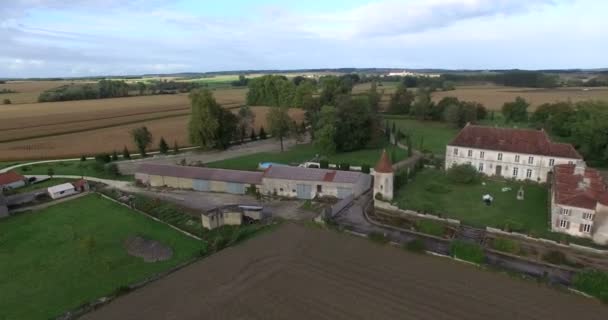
(515, 78)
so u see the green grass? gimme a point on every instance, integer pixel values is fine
(71, 253)
(463, 202)
(73, 168)
(303, 153)
(42, 185)
(430, 227)
(6, 164)
(472, 252)
(435, 135)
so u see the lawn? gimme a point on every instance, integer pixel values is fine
(60, 257)
(426, 135)
(431, 191)
(41, 185)
(303, 153)
(72, 168)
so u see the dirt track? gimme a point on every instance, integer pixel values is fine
(304, 273)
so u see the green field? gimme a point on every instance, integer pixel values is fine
(58, 258)
(41, 185)
(303, 153)
(426, 135)
(72, 168)
(431, 191)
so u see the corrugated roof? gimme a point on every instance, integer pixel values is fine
(61, 187)
(237, 176)
(525, 141)
(310, 174)
(581, 191)
(10, 177)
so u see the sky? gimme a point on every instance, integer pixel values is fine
(73, 38)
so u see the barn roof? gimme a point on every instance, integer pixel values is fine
(237, 176)
(310, 174)
(10, 177)
(579, 190)
(527, 141)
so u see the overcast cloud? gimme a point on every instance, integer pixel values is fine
(43, 38)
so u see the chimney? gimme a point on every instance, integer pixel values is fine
(579, 168)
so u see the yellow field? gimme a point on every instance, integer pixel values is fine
(28, 91)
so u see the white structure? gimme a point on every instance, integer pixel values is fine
(521, 154)
(61, 190)
(233, 215)
(413, 74)
(384, 177)
(11, 180)
(579, 202)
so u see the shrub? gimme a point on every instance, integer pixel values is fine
(378, 196)
(125, 153)
(25, 168)
(163, 147)
(472, 252)
(83, 158)
(430, 227)
(324, 164)
(344, 166)
(415, 245)
(263, 134)
(365, 168)
(114, 156)
(378, 237)
(555, 257)
(7, 101)
(50, 172)
(592, 282)
(463, 173)
(112, 170)
(103, 158)
(506, 245)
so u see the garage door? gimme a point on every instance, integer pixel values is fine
(200, 185)
(304, 191)
(344, 192)
(236, 188)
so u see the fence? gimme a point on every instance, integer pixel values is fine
(387, 206)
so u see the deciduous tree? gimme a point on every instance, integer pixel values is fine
(142, 138)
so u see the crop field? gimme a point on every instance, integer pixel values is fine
(71, 253)
(493, 97)
(298, 272)
(28, 91)
(113, 137)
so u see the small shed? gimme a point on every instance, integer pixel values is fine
(11, 180)
(61, 190)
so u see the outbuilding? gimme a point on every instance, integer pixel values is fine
(11, 180)
(61, 190)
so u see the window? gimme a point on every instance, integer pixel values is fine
(500, 156)
(470, 154)
(570, 162)
(529, 173)
(551, 162)
(565, 211)
(530, 160)
(587, 215)
(517, 158)
(455, 151)
(281, 189)
(481, 154)
(586, 228)
(319, 188)
(564, 224)
(515, 172)
(480, 167)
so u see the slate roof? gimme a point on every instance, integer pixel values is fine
(581, 191)
(310, 174)
(10, 177)
(526, 141)
(237, 176)
(384, 164)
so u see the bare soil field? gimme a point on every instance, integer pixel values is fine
(115, 137)
(299, 272)
(28, 91)
(493, 97)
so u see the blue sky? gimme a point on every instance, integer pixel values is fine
(47, 38)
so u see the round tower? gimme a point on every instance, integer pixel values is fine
(383, 177)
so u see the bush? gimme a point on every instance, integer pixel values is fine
(463, 173)
(324, 164)
(592, 282)
(430, 227)
(555, 257)
(112, 170)
(378, 237)
(103, 158)
(114, 156)
(506, 245)
(7, 101)
(472, 252)
(416, 245)
(83, 158)
(344, 166)
(378, 196)
(365, 168)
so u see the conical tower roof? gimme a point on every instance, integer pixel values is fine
(384, 165)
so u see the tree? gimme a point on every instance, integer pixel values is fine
(227, 129)
(280, 124)
(125, 153)
(263, 135)
(175, 147)
(555, 117)
(252, 136)
(50, 172)
(83, 158)
(7, 101)
(326, 131)
(114, 156)
(452, 114)
(387, 132)
(141, 87)
(374, 96)
(516, 111)
(401, 100)
(163, 147)
(357, 125)
(422, 104)
(204, 119)
(246, 119)
(142, 138)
